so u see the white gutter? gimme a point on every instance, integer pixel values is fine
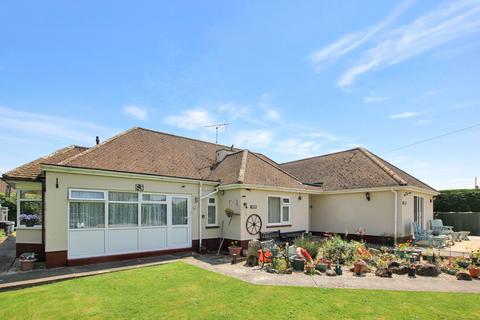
(200, 198)
(395, 215)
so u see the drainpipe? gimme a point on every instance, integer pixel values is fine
(395, 215)
(200, 198)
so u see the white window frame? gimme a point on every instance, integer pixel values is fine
(419, 210)
(216, 211)
(87, 199)
(20, 200)
(141, 201)
(104, 201)
(139, 209)
(282, 205)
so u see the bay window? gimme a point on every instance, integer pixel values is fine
(279, 210)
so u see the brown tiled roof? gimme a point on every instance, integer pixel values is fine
(246, 167)
(351, 169)
(31, 170)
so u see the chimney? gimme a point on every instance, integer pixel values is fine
(97, 140)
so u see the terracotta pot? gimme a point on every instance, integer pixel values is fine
(234, 250)
(474, 272)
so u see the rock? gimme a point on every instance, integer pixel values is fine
(462, 275)
(428, 270)
(288, 271)
(253, 247)
(400, 270)
(318, 273)
(383, 273)
(394, 264)
(360, 266)
(331, 273)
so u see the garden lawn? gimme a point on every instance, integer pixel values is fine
(181, 291)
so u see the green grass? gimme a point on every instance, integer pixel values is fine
(181, 291)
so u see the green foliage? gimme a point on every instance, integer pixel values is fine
(11, 204)
(310, 245)
(337, 249)
(462, 200)
(279, 264)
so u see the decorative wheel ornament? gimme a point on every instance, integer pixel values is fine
(254, 224)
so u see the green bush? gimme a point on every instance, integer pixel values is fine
(309, 245)
(11, 203)
(461, 200)
(337, 249)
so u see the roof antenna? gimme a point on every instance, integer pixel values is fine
(217, 126)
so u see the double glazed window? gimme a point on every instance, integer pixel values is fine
(94, 209)
(279, 210)
(418, 210)
(29, 208)
(212, 211)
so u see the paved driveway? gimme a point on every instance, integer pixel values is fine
(7, 254)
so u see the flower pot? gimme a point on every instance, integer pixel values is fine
(412, 272)
(234, 251)
(474, 272)
(338, 270)
(26, 265)
(322, 267)
(298, 264)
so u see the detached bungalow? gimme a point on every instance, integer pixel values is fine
(145, 192)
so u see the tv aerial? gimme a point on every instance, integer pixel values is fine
(217, 126)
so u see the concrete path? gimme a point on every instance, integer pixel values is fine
(443, 283)
(7, 254)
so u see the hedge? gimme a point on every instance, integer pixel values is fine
(461, 200)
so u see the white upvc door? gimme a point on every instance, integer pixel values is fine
(178, 216)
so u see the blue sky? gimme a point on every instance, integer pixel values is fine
(292, 79)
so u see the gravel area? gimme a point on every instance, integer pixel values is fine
(442, 283)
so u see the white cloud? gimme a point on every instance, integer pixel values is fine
(405, 115)
(259, 138)
(351, 41)
(372, 99)
(265, 103)
(321, 135)
(234, 111)
(272, 114)
(297, 148)
(432, 92)
(135, 112)
(39, 125)
(446, 23)
(190, 119)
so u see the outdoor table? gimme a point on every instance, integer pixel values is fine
(439, 241)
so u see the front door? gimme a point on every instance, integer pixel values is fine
(179, 223)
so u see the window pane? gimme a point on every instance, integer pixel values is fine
(273, 210)
(87, 215)
(31, 195)
(122, 214)
(211, 215)
(122, 196)
(179, 211)
(211, 200)
(285, 214)
(30, 213)
(154, 215)
(286, 200)
(154, 197)
(95, 195)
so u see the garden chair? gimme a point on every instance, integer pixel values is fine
(439, 229)
(433, 241)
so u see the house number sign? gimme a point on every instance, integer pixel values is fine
(139, 187)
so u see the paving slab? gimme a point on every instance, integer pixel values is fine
(7, 254)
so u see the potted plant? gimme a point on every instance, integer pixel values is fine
(234, 249)
(401, 249)
(474, 271)
(309, 268)
(321, 266)
(27, 261)
(29, 219)
(412, 271)
(338, 269)
(475, 256)
(298, 263)
(428, 254)
(229, 212)
(463, 263)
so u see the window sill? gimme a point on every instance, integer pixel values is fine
(278, 225)
(29, 228)
(212, 227)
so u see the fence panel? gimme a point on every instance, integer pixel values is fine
(461, 221)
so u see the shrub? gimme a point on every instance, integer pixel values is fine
(311, 246)
(462, 200)
(337, 249)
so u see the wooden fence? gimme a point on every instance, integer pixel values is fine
(461, 221)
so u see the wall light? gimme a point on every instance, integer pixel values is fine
(367, 195)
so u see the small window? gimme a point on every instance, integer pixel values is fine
(122, 215)
(154, 197)
(154, 215)
(30, 195)
(278, 210)
(123, 196)
(86, 195)
(212, 211)
(87, 215)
